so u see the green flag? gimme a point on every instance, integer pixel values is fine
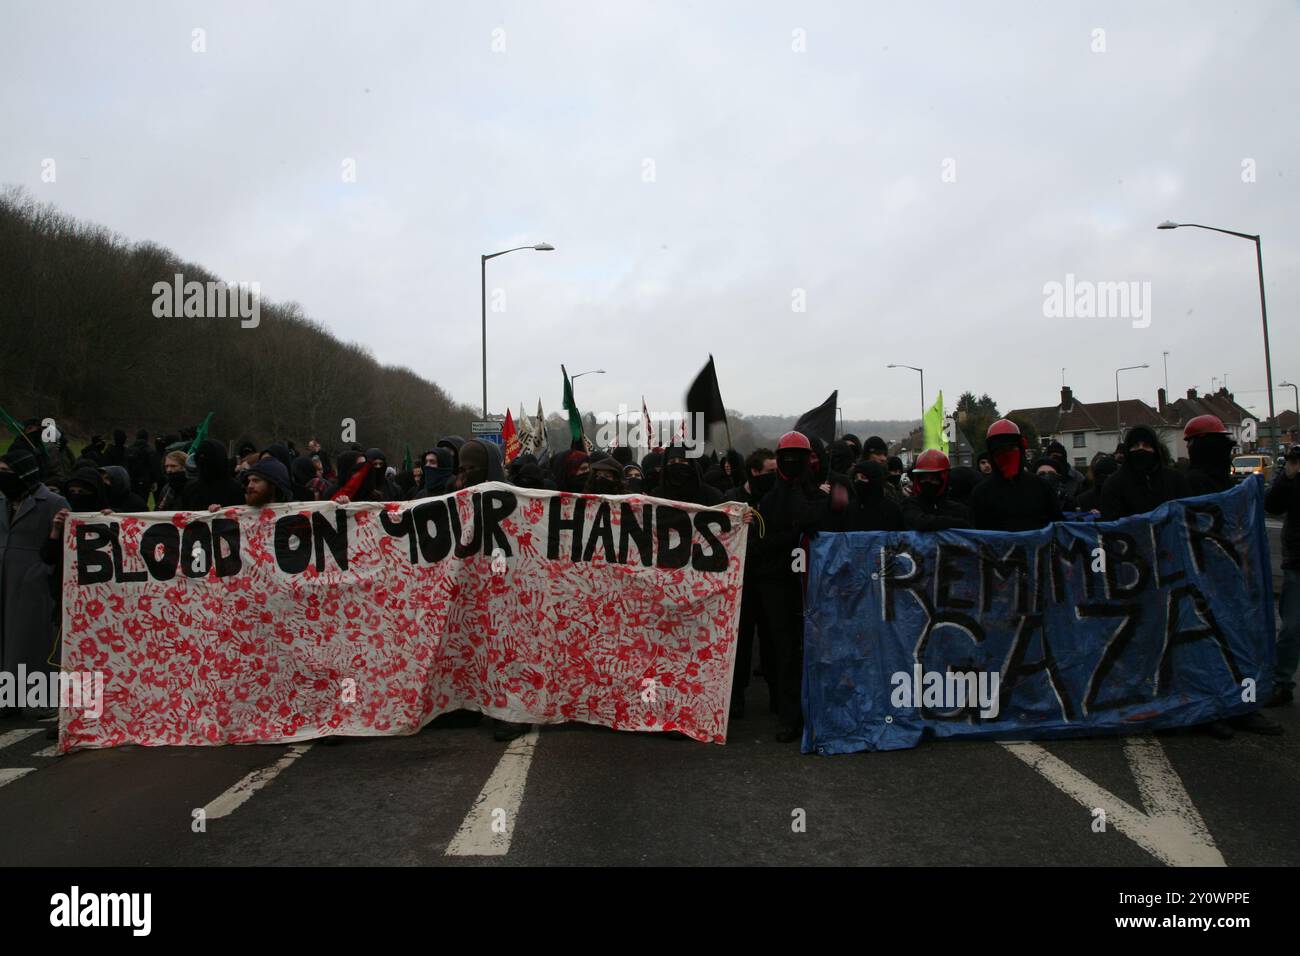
(575, 417)
(201, 434)
(406, 462)
(17, 429)
(933, 426)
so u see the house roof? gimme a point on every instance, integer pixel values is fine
(1090, 416)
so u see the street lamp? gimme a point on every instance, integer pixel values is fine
(540, 247)
(574, 378)
(1118, 437)
(922, 371)
(1263, 308)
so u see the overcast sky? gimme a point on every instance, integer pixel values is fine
(695, 164)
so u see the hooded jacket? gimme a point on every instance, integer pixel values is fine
(495, 467)
(1020, 503)
(1131, 492)
(869, 507)
(120, 496)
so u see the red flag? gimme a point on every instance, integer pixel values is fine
(511, 438)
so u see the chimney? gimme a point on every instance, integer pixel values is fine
(1191, 393)
(1067, 398)
(1160, 400)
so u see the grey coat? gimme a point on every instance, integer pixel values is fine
(27, 625)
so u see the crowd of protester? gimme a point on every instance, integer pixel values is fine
(802, 487)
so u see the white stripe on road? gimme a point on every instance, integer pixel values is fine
(10, 774)
(1171, 829)
(48, 752)
(497, 806)
(17, 736)
(242, 792)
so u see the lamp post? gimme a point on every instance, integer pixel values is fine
(540, 247)
(1118, 437)
(1263, 307)
(922, 371)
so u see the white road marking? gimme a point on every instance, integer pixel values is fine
(1170, 829)
(10, 774)
(242, 792)
(498, 802)
(17, 736)
(48, 752)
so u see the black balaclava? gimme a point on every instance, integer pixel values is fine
(25, 476)
(635, 484)
(841, 455)
(650, 466)
(571, 478)
(210, 460)
(855, 446)
(818, 461)
(1141, 462)
(473, 465)
(530, 475)
(679, 475)
(437, 479)
(605, 478)
(961, 482)
(453, 443)
(1211, 454)
(760, 485)
(894, 464)
(869, 480)
(792, 464)
(85, 491)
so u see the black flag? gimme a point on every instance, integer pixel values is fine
(819, 422)
(704, 397)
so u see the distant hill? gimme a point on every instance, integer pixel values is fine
(773, 427)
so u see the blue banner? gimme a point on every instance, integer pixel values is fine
(1159, 620)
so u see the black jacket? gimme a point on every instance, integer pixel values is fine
(935, 514)
(1128, 492)
(1022, 504)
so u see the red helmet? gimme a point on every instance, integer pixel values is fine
(932, 462)
(794, 440)
(1204, 425)
(1003, 431)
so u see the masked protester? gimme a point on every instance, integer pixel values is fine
(438, 470)
(632, 479)
(1011, 499)
(855, 447)
(1102, 467)
(1072, 480)
(841, 457)
(606, 478)
(121, 498)
(680, 480)
(1052, 473)
(302, 474)
(789, 512)
(530, 475)
(871, 507)
(651, 464)
(214, 484)
(84, 491)
(961, 482)
(453, 443)
(930, 508)
(175, 479)
(1209, 448)
(31, 526)
(1143, 482)
(733, 466)
(760, 469)
(571, 468)
(1283, 498)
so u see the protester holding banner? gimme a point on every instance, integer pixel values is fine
(681, 481)
(930, 508)
(760, 469)
(1143, 481)
(1011, 499)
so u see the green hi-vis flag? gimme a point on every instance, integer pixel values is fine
(575, 418)
(933, 425)
(202, 434)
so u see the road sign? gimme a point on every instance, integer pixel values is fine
(491, 426)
